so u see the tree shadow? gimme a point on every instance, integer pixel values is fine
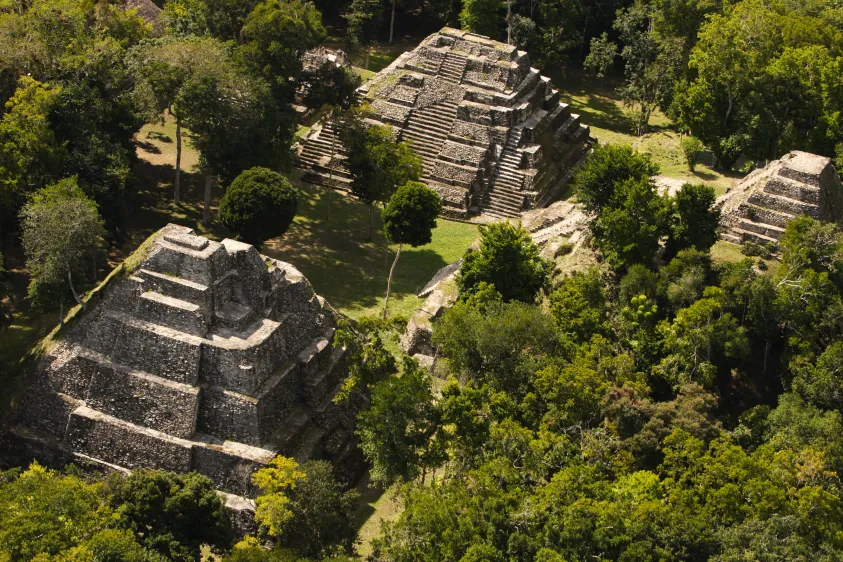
(332, 250)
(160, 137)
(147, 147)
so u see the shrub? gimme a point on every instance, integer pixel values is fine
(258, 205)
(691, 147)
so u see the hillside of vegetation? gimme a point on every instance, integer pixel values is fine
(680, 400)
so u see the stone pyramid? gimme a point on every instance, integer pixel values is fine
(760, 206)
(492, 133)
(205, 356)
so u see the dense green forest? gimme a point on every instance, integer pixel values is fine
(657, 406)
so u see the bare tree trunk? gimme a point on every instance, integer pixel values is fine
(509, 22)
(73, 289)
(391, 22)
(368, 54)
(178, 161)
(370, 223)
(61, 311)
(206, 211)
(389, 281)
(766, 355)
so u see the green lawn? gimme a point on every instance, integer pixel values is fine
(597, 102)
(331, 250)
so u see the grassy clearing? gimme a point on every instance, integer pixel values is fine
(374, 507)
(597, 102)
(330, 248)
(727, 252)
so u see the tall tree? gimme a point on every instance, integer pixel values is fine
(258, 205)
(173, 514)
(61, 227)
(275, 36)
(507, 259)
(409, 218)
(397, 428)
(482, 17)
(377, 163)
(364, 20)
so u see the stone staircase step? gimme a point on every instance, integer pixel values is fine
(235, 316)
(747, 235)
(309, 445)
(761, 228)
(296, 424)
(182, 315)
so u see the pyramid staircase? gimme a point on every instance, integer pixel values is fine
(209, 357)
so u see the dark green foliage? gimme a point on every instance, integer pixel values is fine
(629, 229)
(5, 309)
(482, 16)
(410, 215)
(507, 259)
(330, 85)
(695, 220)
(608, 166)
(275, 35)
(173, 514)
(258, 205)
(395, 431)
(578, 305)
(322, 513)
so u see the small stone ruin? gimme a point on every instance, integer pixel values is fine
(492, 133)
(760, 206)
(207, 356)
(314, 59)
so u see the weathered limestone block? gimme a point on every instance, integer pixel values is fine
(158, 350)
(118, 442)
(144, 399)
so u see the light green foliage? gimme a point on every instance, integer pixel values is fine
(75, 114)
(601, 56)
(482, 16)
(258, 205)
(32, 504)
(691, 147)
(396, 431)
(29, 154)
(321, 521)
(701, 341)
(683, 280)
(275, 482)
(507, 259)
(61, 228)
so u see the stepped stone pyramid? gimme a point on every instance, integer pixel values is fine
(760, 206)
(492, 132)
(208, 357)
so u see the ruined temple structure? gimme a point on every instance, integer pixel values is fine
(760, 206)
(492, 132)
(204, 356)
(314, 59)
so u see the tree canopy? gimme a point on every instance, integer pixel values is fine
(258, 205)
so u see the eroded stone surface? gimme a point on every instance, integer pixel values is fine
(492, 133)
(209, 357)
(760, 206)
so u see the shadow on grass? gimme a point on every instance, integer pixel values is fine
(147, 147)
(160, 137)
(332, 250)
